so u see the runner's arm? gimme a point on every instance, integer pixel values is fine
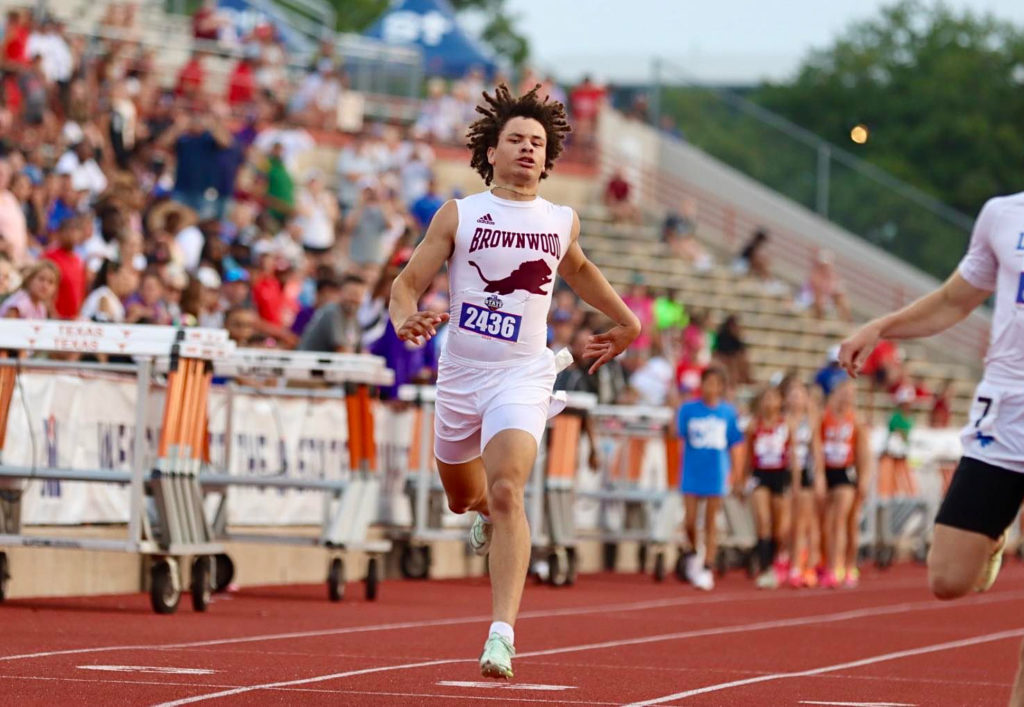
(935, 312)
(412, 282)
(587, 281)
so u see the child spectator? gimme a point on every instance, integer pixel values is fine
(712, 455)
(34, 299)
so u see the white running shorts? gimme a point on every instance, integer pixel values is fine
(995, 430)
(476, 402)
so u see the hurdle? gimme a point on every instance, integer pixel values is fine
(349, 503)
(554, 481)
(181, 530)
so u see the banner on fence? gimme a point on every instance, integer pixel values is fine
(89, 423)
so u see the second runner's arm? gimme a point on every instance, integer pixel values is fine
(426, 261)
(590, 284)
(931, 314)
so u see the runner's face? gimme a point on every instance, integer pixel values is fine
(519, 156)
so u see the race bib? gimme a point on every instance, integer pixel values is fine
(492, 316)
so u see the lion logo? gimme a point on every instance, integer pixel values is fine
(530, 276)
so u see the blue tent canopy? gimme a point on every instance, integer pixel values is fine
(430, 25)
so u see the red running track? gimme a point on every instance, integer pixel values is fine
(612, 639)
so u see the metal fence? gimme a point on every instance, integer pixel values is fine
(841, 187)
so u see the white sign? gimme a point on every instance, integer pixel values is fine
(405, 27)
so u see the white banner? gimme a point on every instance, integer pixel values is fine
(65, 421)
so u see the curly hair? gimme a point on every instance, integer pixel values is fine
(502, 107)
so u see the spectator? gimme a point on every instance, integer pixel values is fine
(280, 187)
(268, 287)
(586, 102)
(79, 161)
(241, 323)
(10, 279)
(147, 305)
(691, 365)
(731, 351)
(823, 291)
(207, 22)
(58, 63)
(113, 284)
(335, 325)
(242, 82)
(180, 224)
(196, 138)
(71, 286)
(440, 114)
(34, 299)
(191, 78)
(607, 383)
(653, 381)
(327, 291)
(617, 199)
(124, 124)
(366, 226)
(641, 304)
(424, 208)
(317, 214)
(941, 411)
(831, 374)
(211, 314)
(753, 256)
(13, 224)
(669, 312)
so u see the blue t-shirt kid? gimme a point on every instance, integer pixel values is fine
(708, 433)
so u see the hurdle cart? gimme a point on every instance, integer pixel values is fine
(351, 495)
(181, 529)
(637, 499)
(553, 484)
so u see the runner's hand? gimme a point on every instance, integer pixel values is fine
(854, 351)
(604, 347)
(421, 327)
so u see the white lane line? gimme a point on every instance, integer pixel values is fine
(318, 691)
(686, 601)
(874, 611)
(934, 648)
(504, 685)
(859, 704)
(158, 669)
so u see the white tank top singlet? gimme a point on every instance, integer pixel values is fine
(501, 273)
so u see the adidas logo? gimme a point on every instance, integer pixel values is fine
(486, 218)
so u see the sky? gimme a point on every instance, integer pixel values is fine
(715, 41)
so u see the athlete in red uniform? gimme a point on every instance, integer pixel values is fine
(772, 468)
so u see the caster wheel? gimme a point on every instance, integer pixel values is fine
(5, 575)
(164, 591)
(659, 567)
(224, 572)
(558, 567)
(414, 561)
(201, 583)
(372, 578)
(336, 580)
(610, 556)
(681, 566)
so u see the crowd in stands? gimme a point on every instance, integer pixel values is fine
(124, 202)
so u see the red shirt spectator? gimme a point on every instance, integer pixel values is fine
(190, 80)
(204, 22)
(618, 189)
(71, 290)
(880, 361)
(268, 296)
(242, 84)
(586, 100)
(16, 39)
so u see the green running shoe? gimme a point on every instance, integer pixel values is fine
(480, 536)
(496, 660)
